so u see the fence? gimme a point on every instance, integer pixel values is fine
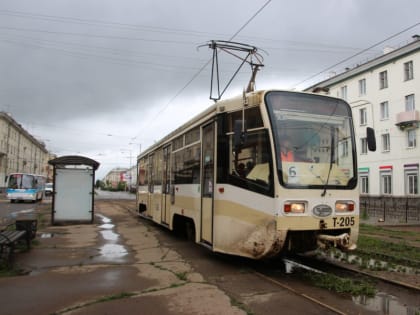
(391, 208)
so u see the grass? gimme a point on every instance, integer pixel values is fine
(383, 231)
(7, 271)
(340, 285)
(393, 246)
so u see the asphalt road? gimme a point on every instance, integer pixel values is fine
(9, 210)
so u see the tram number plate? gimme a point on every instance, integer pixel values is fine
(343, 221)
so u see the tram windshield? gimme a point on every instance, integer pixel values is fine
(314, 140)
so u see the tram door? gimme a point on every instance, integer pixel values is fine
(166, 184)
(207, 183)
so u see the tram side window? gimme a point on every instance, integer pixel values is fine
(157, 171)
(142, 177)
(250, 165)
(186, 164)
(150, 173)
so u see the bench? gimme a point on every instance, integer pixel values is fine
(14, 232)
(8, 241)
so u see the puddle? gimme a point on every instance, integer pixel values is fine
(109, 235)
(385, 304)
(107, 226)
(104, 218)
(111, 250)
(382, 302)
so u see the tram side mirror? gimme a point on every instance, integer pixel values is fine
(371, 140)
(240, 133)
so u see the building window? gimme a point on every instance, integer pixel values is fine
(386, 145)
(344, 148)
(409, 103)
(412, 182)
(364, 184)
(384, 110)
(383, 80)
(344, 92)
(386, 183)
(362, 87)
(363, 146)
(411, 138)
(408, 71)
(363, 116)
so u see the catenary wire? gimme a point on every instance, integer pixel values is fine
(357, 54)
(208, 62)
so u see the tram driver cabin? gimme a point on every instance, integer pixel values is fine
(221, 177)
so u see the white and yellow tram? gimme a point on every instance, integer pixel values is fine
(223, 179)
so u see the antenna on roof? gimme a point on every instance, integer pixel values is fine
(246, 53)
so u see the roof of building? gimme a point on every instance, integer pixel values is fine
(7, 117)
(370, 65)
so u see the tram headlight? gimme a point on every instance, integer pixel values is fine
(344, 206)
(294, 207)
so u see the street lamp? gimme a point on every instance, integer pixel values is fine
(139, 144)
(129, 169)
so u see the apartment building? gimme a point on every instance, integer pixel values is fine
(20, 151)
(383, 93)
(115, 176)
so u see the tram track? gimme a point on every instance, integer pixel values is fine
(242, 283)
(328, 265)
(336, 303)
(300, 294)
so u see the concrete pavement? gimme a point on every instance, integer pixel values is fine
(115, 265)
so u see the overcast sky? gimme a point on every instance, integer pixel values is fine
(102, 78)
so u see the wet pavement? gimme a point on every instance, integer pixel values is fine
(115, 265)
(123, 265)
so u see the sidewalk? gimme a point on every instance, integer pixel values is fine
(114, 266)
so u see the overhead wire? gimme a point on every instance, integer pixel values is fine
(148, 28)
(357, 54)
(296, 45)
(96, 35)
(183, 88)
(114, 59)
(93, 22)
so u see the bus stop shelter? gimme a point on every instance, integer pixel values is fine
(73, 189)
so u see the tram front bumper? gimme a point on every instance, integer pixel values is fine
(342, 241)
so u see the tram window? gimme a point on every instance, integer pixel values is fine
(178, 143)
(157, 171)
(250, 166)
(186, 164)
(143, 172)
(252, 116)
(192, 136)
(150, 174)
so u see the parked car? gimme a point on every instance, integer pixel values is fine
(49, 189)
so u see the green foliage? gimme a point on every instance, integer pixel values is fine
(341, 285)
(399, 252)
(100, 184)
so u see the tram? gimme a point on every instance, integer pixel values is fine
(263, 173)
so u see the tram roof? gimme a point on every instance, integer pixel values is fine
(227, 105)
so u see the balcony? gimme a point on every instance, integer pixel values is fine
(409, 119)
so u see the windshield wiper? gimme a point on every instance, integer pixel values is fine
(332, 153)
